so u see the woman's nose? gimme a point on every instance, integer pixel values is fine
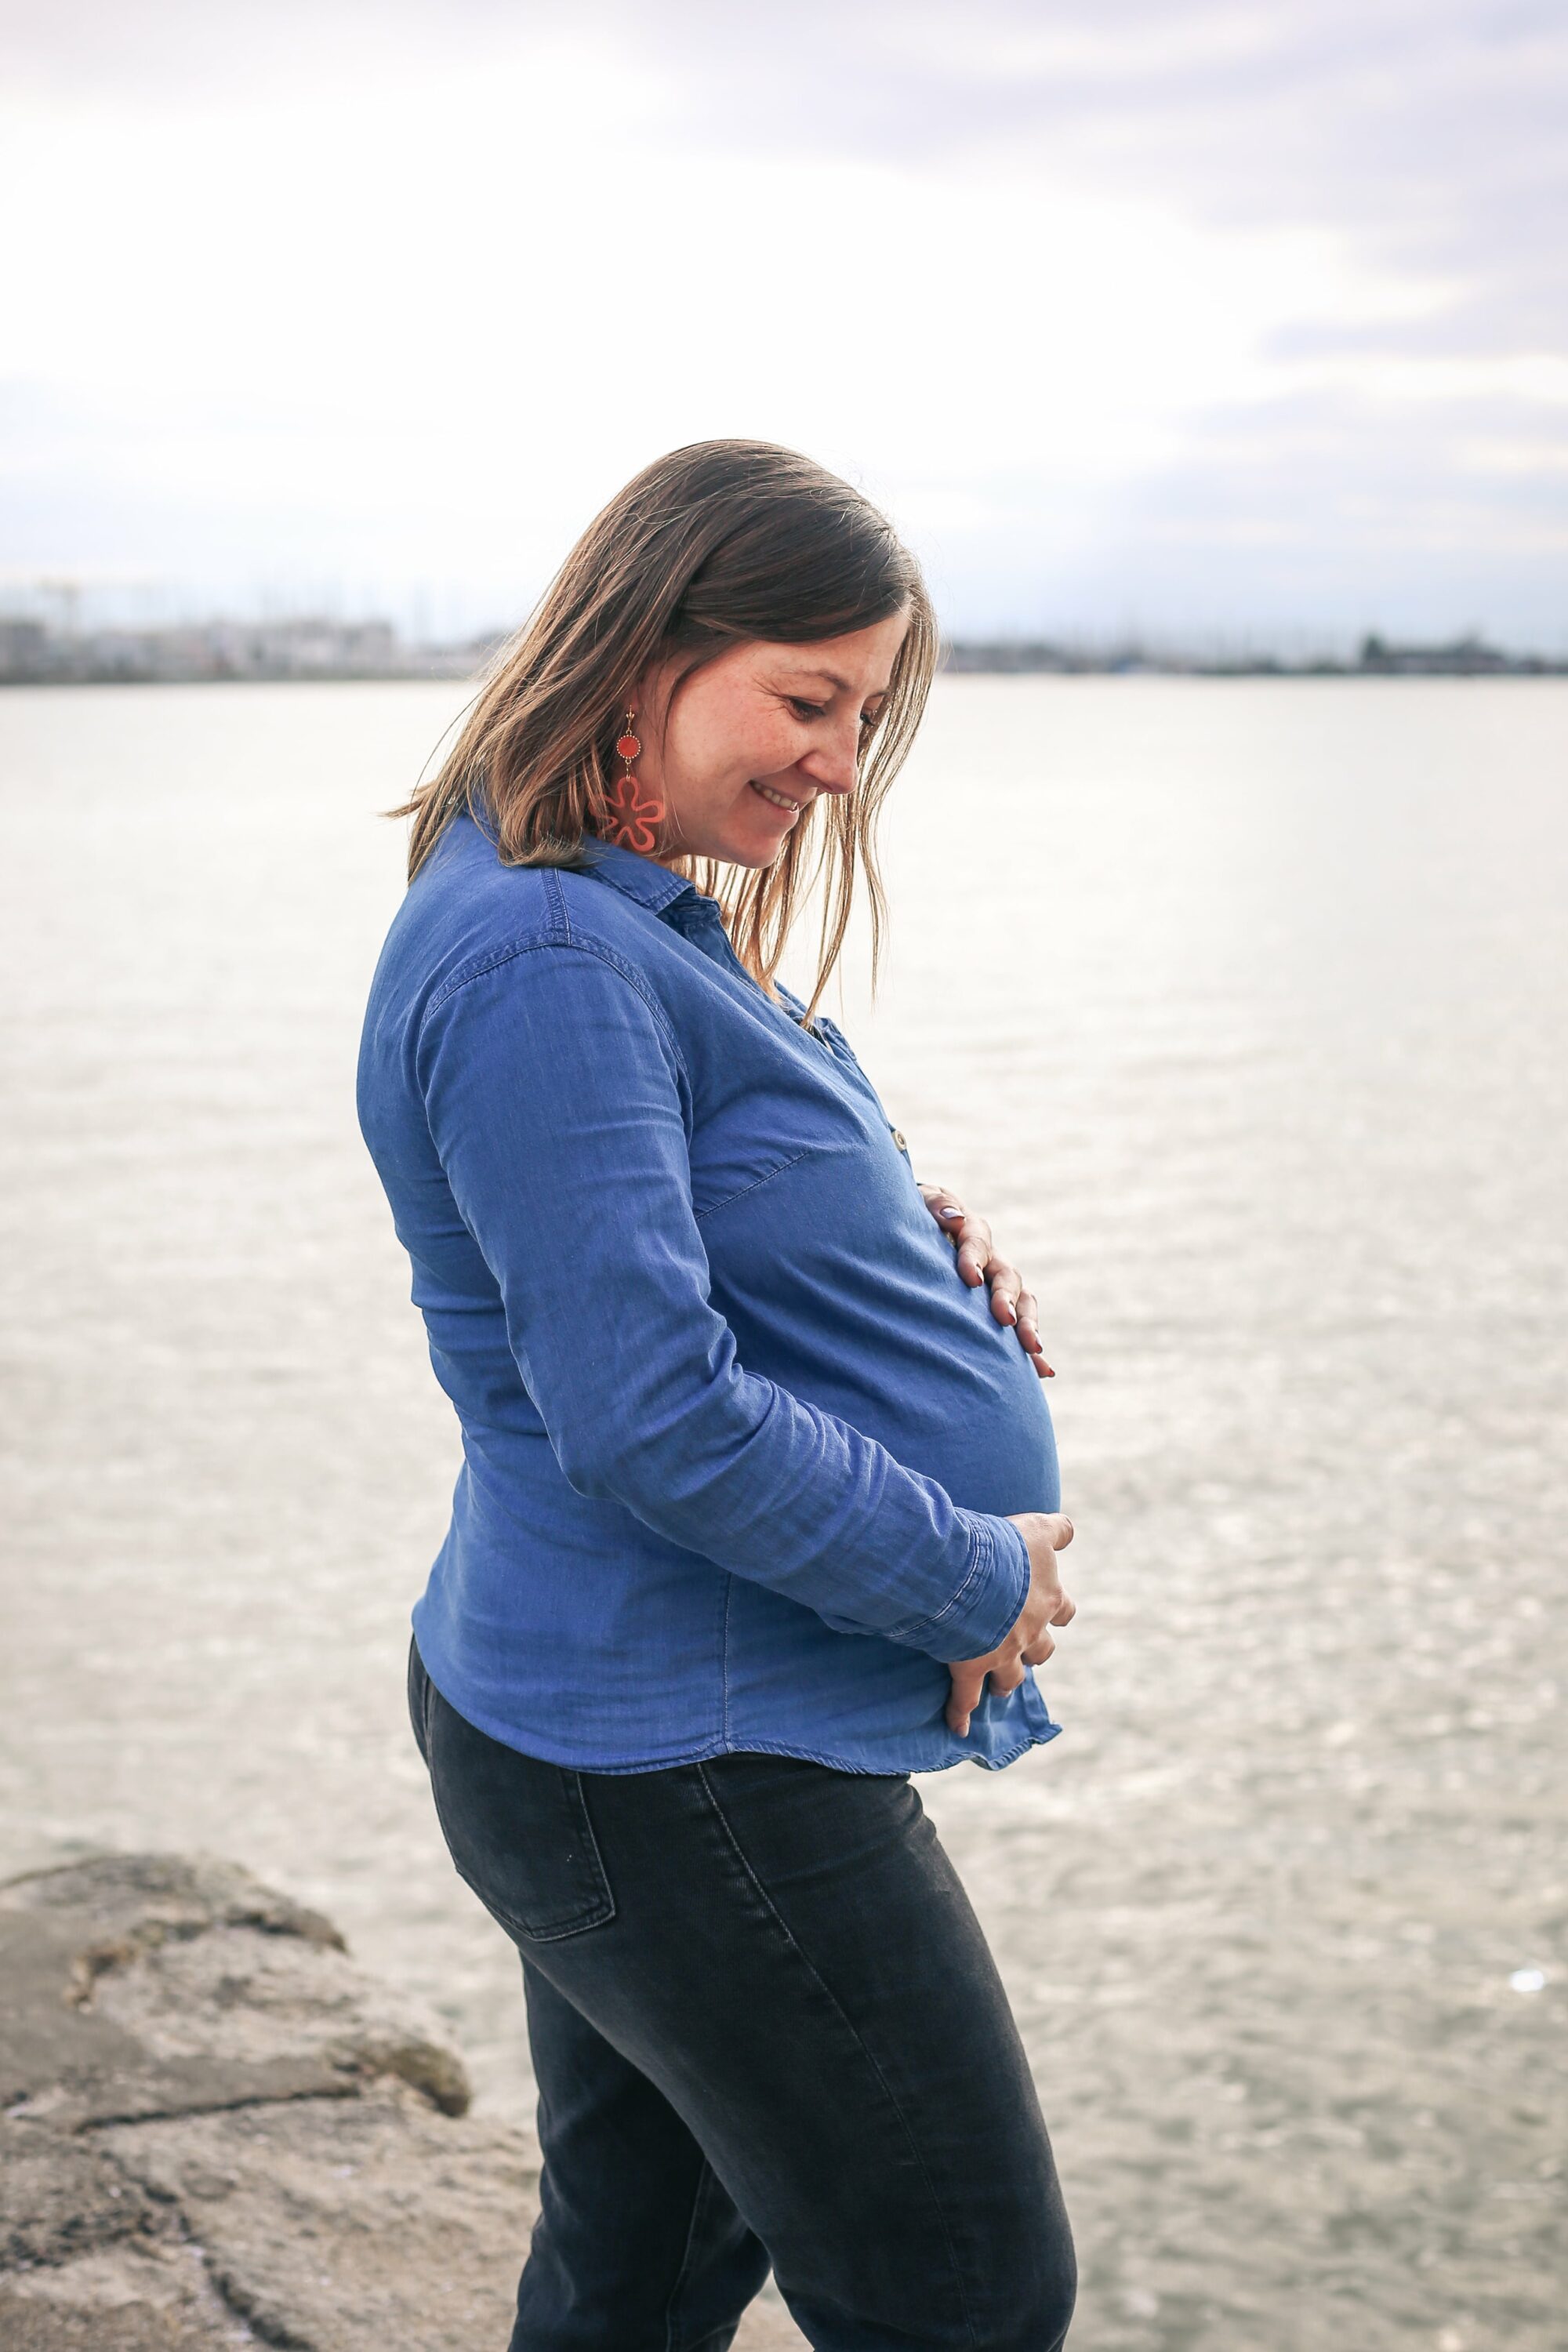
(835, 767)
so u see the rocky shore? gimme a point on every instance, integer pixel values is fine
(216, 2130)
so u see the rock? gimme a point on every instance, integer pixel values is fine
(155, 2298)
(149, 1985)
(50, 2046)
(768, 2328)
(61, 2196)
(235, 2000)
(219, 2132)
(350, 2223)
(120, 1904)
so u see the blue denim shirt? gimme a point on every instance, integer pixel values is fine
(737, 1436)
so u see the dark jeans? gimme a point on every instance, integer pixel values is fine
(766, 2029)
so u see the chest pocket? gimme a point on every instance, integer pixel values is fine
(761, 1111)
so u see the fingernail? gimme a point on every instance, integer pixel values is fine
(1050, 1371)
(949, 1213)
(1011, 1316)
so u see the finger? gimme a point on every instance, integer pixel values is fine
(974, 1248)
(1007, 1678)
(1029, 1333)
(968, 1682)
(1041, 1648)
(1006, 1287)
(943, 1206)
(1064, 1611)
(1029, 1322)
(1061, 1530)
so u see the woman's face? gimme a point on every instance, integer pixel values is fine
(739, 752)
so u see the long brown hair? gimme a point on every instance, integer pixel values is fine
(715, 543)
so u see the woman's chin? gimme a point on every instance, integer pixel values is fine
(747, 841)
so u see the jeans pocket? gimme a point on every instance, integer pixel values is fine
(518, 1831)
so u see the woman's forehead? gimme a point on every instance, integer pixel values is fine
(845, 662)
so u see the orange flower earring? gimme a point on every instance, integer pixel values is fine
(635, 814)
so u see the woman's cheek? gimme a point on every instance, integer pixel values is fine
(778, 749)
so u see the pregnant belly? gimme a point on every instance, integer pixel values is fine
(856, 1305)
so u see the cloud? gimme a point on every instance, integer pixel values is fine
(1200, 310)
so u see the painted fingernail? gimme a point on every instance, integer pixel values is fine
(949, 1213)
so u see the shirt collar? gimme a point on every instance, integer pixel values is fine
(655, 887)
(651, 885)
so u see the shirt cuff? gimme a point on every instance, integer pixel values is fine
(985, 1609)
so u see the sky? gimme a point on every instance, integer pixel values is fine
(1218, 325)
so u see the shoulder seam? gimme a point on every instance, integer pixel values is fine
(560, 919)
(478, 966)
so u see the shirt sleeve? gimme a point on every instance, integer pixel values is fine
(557, 1101)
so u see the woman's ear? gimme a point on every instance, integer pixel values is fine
(651, 692)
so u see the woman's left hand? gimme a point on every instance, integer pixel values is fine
(978, 1263)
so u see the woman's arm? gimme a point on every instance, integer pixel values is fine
(554, 1091)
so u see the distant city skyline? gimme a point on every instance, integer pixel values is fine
(1165, 320)
(71, 650)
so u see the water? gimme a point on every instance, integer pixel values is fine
(1238, 1009)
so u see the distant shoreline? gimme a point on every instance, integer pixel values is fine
(1376, 658)
(320, 652)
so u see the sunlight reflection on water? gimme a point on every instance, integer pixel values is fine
(1238, 1009)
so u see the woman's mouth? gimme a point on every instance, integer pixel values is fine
(779, 800)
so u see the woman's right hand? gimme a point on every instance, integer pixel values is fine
(1030, 1642)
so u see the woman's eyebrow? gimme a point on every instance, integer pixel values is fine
(840, 685)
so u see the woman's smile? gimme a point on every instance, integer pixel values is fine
(779, 800)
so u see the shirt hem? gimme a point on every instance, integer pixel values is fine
(717, 1748)
(1031, 1735)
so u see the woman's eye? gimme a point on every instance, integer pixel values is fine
(806, 710)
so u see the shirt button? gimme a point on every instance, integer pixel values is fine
(898, 1139)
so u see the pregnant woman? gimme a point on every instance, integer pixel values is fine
(758, 1508)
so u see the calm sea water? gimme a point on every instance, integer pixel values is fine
(1238, 1009)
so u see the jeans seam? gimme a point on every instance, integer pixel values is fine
(856, 2035)
(699, 2199)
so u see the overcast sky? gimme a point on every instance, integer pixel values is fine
(1240, 319)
